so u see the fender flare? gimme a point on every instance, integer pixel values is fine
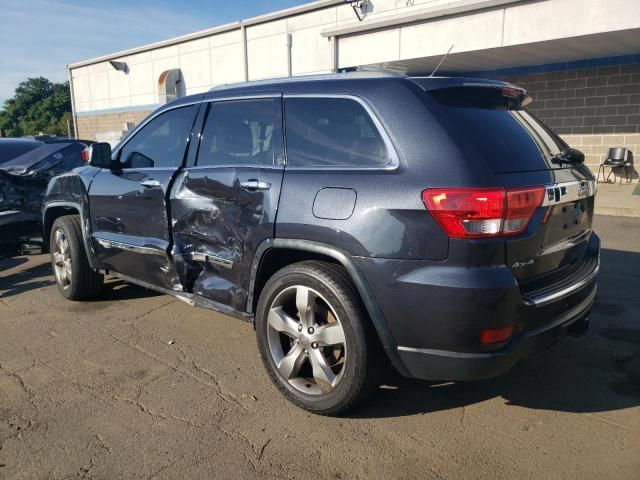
(84, 222)
(343, 258)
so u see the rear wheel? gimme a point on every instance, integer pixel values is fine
(314, 338)
(76, 280)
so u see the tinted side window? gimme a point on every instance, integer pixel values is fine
(331, 132)
(162, 141)
(242, 132)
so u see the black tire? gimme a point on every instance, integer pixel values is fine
(84, 282)
(364, 358)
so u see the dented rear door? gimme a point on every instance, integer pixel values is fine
(225, 205)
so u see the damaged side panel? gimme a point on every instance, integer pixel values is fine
(130, 225)
(217, 225)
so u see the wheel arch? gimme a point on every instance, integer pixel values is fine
(51, 214)
(273, 254)
(54, 210)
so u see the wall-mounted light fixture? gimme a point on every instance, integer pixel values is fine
(120, 66)
(360, 7)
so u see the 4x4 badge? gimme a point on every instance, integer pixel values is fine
(523, 264)
(583, 189)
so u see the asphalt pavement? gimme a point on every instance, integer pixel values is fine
(141, 385)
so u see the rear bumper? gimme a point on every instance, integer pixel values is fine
(436, 312)
(432, 364)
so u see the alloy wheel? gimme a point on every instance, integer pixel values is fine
(62, 259)
(306, 340)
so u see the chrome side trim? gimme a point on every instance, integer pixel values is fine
(552, 297)
(207, 258)
(394, 161)
(185, 297)
(568, 192)
(128, 247)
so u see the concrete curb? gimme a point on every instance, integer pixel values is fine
(617, 211)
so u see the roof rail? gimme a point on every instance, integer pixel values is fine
(308, 78)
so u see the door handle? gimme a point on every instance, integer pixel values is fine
(255, 185)
(150, 183)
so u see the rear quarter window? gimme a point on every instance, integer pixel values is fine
(332, 132)
(508, 137)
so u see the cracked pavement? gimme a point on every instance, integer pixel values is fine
(141, 385)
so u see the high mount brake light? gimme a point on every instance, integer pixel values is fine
(483, 212)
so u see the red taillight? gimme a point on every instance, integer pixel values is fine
(521, 204)
(85, 155)
(482, 212)
(496, 335)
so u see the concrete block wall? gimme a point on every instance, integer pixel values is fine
(593, 109)
(89, 125)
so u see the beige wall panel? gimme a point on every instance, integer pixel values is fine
(120, 102)
(196, 68)
(472, 32)
(193, 46)
(119, 83)
(80, 72)
(99, 85)
(374, 47)
(226, 38)
(97, 68)
(81, 91)
(324, 17)
(165, 52)
(266, 29)
(141, 78)
(137, 58)
(267, 57)
(145, 99)
(200, 89)
(99, 104)
(227, 64)
(310, 52)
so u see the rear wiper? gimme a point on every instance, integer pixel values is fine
(568, 155)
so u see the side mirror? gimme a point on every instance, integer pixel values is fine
(100, 155)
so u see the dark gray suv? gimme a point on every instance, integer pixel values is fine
(358, 220)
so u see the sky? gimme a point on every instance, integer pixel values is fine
(39, 38)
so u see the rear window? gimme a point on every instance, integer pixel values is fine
(505, 135)
(332, 132)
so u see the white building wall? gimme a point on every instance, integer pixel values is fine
(219, 58)
(210, 61)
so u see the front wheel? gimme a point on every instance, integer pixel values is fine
(315, 339)
(75, 279)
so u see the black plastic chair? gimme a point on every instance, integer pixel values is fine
(620, 161)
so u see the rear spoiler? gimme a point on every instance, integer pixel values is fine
(511, 93)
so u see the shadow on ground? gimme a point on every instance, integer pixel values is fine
(41, 275)
(32, 278)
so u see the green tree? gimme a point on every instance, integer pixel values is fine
(38, 106)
